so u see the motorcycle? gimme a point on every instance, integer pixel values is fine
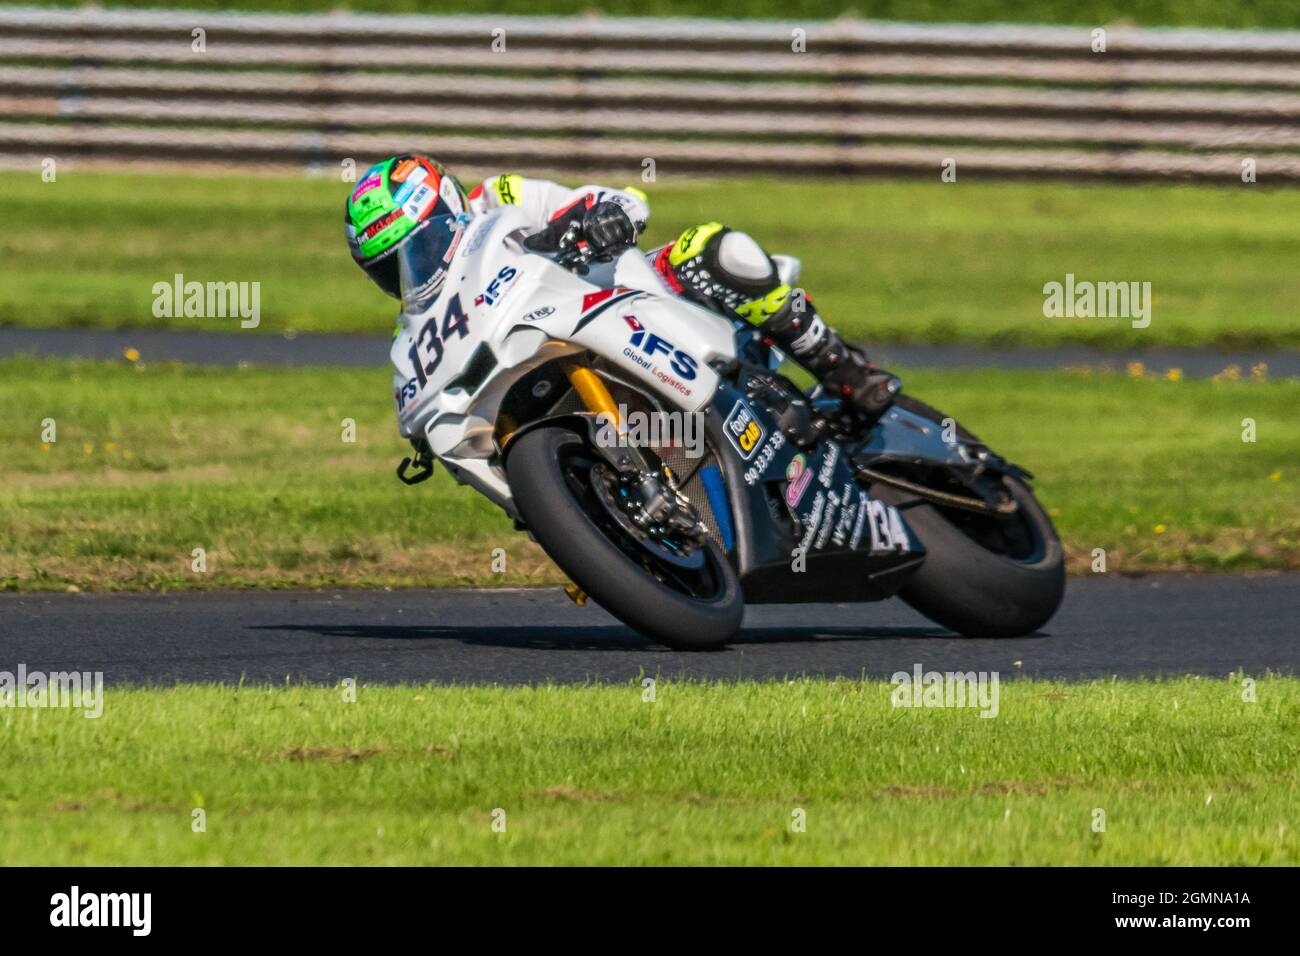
(521, 373)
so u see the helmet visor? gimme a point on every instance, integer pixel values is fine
(423, 259)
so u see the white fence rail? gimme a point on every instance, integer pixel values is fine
(696, 96)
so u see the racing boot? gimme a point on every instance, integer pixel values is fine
(731, 273)
(842, 369)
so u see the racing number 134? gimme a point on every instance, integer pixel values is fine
(454, 321)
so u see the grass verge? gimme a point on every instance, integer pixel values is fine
(1184, 772)
(886, 261)
(153, 461)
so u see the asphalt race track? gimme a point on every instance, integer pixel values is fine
(1148, 625)
(371, 351)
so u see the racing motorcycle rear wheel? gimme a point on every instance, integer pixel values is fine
(682, 594)
(984, 575)
(1001, 578)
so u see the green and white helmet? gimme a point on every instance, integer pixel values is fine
(403, 200)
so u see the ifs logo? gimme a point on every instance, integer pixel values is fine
(649, 344)
(495, 291)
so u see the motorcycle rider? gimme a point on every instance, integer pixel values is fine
(716, 266)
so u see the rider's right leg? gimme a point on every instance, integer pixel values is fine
(731, 272)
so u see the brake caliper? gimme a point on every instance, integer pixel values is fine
(655, 505)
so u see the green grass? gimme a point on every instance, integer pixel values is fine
(886, 261)
(1214, 13)
(150, 463)
(1185, 772)
(153, 461)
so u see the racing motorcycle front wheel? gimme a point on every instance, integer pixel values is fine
(676, 588)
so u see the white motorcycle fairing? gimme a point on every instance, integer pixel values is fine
(505, 310)
(794, 501)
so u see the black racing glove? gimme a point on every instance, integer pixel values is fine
(608, 229)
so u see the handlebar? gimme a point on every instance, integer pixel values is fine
(571, 252)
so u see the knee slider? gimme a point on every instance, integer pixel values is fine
(726, 267)
(742, 261)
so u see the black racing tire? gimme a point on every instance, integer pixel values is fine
(594, 560)
(975, 591)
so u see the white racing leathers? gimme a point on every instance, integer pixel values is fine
(542, 200)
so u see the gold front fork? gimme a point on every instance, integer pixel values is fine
(592, 391)
(595, 396)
